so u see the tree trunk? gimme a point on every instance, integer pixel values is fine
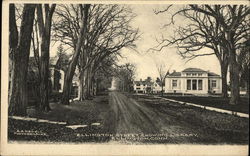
(18, 87)
(84, 86)
(13, 42)
(89, 75)
(81, 87)
(95, 87)
(72, 66)
(234, 80)
(45, 31)
(44, 88)
(161, 89)
(247, 93)
(224, 68)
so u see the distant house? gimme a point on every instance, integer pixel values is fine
(158, 86)
(193, 81)
(143, 86)
(56, 75)
(75, 85)
(148, 86)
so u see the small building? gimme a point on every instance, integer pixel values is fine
(143, 86)
(157, 88)
(148, 86)
(57, 79)
(193, 81)
(56, 75)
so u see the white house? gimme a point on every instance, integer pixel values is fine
(57, 79)
(193, 81)
(157, 87)
(147, 86)
(143, 86)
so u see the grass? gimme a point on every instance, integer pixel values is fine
(77, 113)
(217, 102)
(212, 127)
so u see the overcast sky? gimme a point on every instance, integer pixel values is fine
(150, 26)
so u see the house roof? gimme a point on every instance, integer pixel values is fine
(175, 74)
(213, 74)
(143, 82)
(178, 74)
(193, 70)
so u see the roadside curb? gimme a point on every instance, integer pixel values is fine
(244, 115)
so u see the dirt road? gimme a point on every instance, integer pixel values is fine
(137, 118)
(116, 117)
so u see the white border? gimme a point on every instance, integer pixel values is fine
(15, 148)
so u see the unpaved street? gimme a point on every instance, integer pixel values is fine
(116, 117)
(133, 117)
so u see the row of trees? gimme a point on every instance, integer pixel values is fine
(19, 50)
(94, 33)
(125, 75)
(222, 28)
(107, 32)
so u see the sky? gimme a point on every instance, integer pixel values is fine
(151, 28)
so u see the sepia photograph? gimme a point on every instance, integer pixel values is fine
(133, 75)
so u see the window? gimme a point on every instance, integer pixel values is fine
(137, 84)
(199, 74)
(194, 74)
(213, 83)
(188, 84)
(188, 74)
(199, 84)
(194, 84)
(174, 83)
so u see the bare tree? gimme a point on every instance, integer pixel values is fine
(19, 51)
(125, 74)
(163, 73)
(245, 64)
(234, 22)
(108, 31)
(221, 28)
(77, 48)
(44, 27)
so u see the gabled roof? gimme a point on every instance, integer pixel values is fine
(178, 74)
(193, 70)
(213, 74)
(143, 82)
(175, 74)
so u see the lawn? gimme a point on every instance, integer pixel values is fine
(212, 127)
(77, 113)
(217, 102)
